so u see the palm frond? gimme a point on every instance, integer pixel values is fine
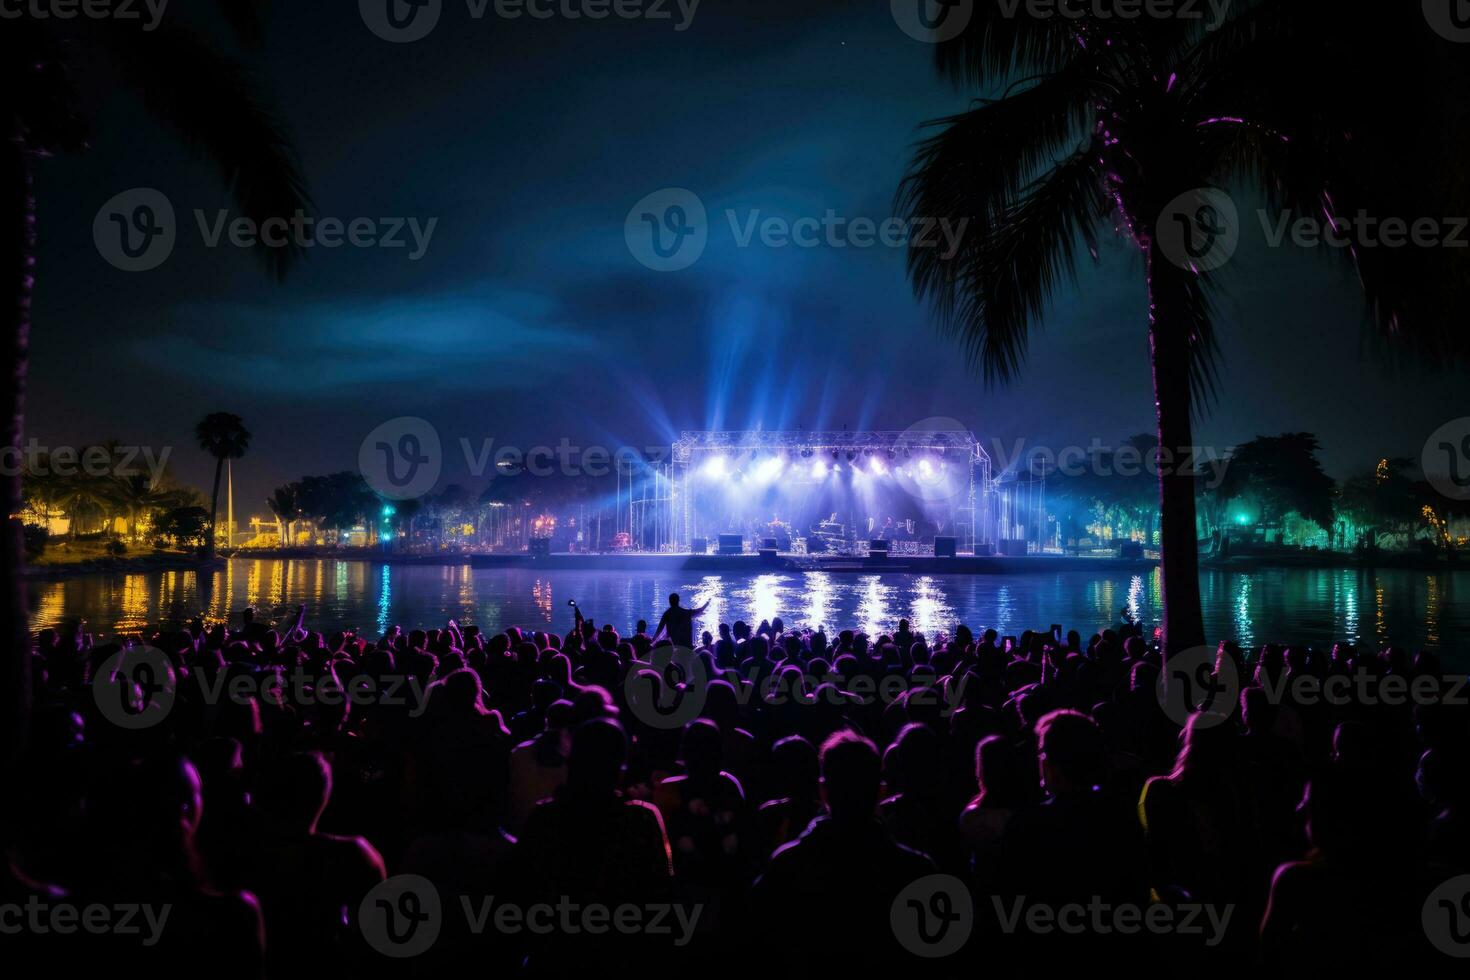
(1006, 269)
(217, 107)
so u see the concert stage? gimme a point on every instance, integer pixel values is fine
(756, 564)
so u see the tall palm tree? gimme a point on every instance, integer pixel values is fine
(214, 104)
(1106, 124)
(223, 436)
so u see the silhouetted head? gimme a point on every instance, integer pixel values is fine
(851, 774)
(295, 791)
(599, 751)
(1069, 747)
(673, 598)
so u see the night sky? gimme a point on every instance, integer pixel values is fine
(528, 320)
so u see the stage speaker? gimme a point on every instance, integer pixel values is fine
(1013, 547)
(732, 544)
(698, 546)
(769, 556)
(877, 547)
(944, 547)
(768, 544)
(985, 549)
(1130, 550)
(540, 547)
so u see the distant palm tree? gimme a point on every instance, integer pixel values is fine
(1106, 124)
(284, 502)
(213, 102)
(223, 436)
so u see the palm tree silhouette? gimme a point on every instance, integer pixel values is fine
(215, 105)
(285, 504)
(223, 436)
(1133, 124)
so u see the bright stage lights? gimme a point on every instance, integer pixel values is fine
(769, 469)
(715, 467)
(876, 465)
(819, 469)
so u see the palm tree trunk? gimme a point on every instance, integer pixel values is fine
(219, 466)
(17, 265)
(1169, 344)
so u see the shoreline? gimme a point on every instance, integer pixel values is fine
(961, 565)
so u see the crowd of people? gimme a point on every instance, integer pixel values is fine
(802, 801)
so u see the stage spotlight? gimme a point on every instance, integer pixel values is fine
(806, 452)
(892, 455)
(876, 465)
(714, 467)
(851, 455)
(834, 454)
(769, 469)
(925, 467)
(819, 469)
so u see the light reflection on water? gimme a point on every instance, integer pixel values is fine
(1299, 605)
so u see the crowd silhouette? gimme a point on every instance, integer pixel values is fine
(786, 791)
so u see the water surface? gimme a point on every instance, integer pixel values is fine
(1413, 609)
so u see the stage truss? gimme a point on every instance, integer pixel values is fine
(974, 512)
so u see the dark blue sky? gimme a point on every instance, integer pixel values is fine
(529, 321)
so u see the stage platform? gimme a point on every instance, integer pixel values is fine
(757, 564)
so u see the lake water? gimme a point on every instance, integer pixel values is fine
(1414, 609)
